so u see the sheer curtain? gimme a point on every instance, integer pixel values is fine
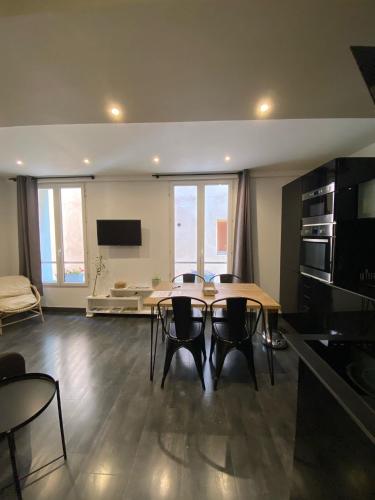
(28, 230)
(242, 248)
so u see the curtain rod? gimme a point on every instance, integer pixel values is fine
(58, 177)
(193, 174)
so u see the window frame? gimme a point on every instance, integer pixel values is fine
(56, 187)
(232, 195)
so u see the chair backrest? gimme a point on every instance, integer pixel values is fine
(182, 314)
(14, 286)
(237, 316)
(188, 277)
(227, 278)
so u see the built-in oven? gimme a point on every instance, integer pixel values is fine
(318, 205)
(317, 249)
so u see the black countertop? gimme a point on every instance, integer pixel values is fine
(359, 408)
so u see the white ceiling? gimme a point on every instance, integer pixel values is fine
(181, 60)
(178, 69)
(128, 149)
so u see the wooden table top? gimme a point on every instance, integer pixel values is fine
(248, 290)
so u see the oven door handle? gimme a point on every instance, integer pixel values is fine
(316, 240)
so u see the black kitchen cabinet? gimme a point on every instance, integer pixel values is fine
(291, 225)
(353, 171)
(333, 459)
(290, 246)
(319, 177)
(354, 263)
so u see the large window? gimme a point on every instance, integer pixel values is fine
(62, 242)
(202, 228)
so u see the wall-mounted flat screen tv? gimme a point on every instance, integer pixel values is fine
(119, 232)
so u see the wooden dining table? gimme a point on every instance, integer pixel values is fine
(167, 290)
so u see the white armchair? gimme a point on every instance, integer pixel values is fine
(18, 295)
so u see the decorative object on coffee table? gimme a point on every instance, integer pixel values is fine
(99, 266)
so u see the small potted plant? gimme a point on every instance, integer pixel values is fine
(156, 281)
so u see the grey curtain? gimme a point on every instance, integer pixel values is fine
(242, 249)
(28, 230)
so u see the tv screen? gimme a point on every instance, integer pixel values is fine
(119, 232)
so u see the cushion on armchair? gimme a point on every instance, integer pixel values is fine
(15, 293)
(14, 286)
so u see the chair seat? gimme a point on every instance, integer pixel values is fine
(14, 304)
(222, 330)
(194, 332)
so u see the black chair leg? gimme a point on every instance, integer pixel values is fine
(213, 340)
(196, 352)
(168, 358)
(248, 352)
(203, 346)
(221, 352)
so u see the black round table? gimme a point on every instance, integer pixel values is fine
(22, 399)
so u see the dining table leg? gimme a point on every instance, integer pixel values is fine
(267, 332)
(152, 344)
(278, 342)
(153, 341)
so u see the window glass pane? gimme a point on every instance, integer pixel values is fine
(49, 272)
(72, 233)
(47, 235)
(215, 229)
(182, 268)
(185, 230)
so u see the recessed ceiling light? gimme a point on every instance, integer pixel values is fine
(227, 158)
(19, 162)
(115, 111)
(86, 160)
(264, 107)
(156, 159)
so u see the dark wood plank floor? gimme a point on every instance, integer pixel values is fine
(129, 439)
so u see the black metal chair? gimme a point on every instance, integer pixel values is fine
(220, 314)
(191, 278)
(188, 278)
(234, 333)
(227, 278)
(183, 331)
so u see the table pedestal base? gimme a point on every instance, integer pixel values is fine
(278, 342)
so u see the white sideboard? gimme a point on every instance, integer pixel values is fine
(130, 303)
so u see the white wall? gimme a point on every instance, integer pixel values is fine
(8, 228)
(368, 151)
(266, 215)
